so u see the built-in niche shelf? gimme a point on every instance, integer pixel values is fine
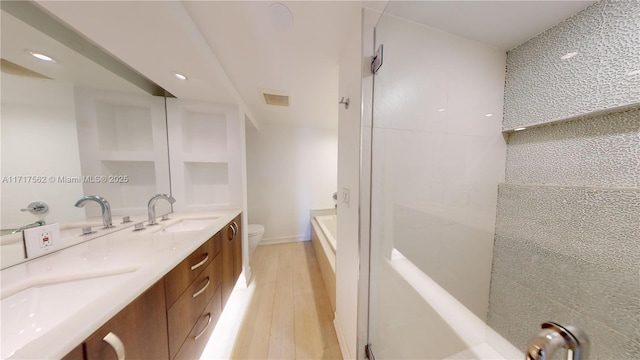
(208, 183)
(127, 155)
(122, 135)
(123, 127)
(205, 158)
(204, 133)
(204, 141)
(136, 190)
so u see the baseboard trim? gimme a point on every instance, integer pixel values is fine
(282, 240)
(344, 349)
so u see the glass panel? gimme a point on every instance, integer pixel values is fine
(480, 233)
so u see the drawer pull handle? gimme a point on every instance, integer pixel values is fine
(233, 233)
(235, 224)
(205, 328)
(197, 293)
(116, 344)
(206, 257)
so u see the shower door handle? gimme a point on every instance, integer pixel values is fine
(555, 336)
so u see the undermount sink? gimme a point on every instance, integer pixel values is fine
(190, 225)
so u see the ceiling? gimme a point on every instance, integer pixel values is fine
(504, 24)
(301, 62)
(230, 49)
(70, 67)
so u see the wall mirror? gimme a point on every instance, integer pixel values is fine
(74, 122)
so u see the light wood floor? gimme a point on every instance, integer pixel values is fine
(289, 316)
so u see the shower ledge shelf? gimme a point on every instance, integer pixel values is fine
(574, 117)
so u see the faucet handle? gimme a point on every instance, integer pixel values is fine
(37, 207)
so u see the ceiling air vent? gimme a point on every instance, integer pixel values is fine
(271, 98)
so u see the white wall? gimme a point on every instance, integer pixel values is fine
(348, 178)
(290, 170)
(38, 131)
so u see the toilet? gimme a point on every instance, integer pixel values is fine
(255, 235)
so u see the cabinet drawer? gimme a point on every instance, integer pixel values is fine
(178, 279)
(199, 335)
(184, 314)
(139, 331)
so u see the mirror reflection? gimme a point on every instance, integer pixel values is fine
(70, 129)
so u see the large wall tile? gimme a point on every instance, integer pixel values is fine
(541, 87)
(601, 150)
(437, 82)
(595, 225)
(531, 285)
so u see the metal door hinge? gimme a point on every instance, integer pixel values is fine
(376, 61)
(368, 352)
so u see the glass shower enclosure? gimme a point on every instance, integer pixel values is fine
(501, 200)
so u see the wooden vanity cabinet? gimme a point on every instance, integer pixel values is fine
(231, 257)
(141, 328)
(175, 317)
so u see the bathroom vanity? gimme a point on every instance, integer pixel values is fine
(157, 293)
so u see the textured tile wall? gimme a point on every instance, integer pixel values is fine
(605, 73)
(595, 225)
(601, 150)
(570, 255)
(567, 245)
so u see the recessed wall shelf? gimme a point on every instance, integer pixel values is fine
(124, 138)
(208, 183)
(204, 139)
(123, 126)
(127, 155)
(204, 133)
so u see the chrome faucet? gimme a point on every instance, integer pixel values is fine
(553, 337)
(104, 205)
(29, 226)
(151, 207)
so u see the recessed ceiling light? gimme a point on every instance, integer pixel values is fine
(281, 16)
(179, 76)
(440, 110)
(488, 115)
(520, 129)
(569, 55)
(41, 56)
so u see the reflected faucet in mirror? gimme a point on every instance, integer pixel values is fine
(151, 207)
(37, 208)
(104, 206)
(29, 226)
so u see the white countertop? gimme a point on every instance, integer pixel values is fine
(53, 303)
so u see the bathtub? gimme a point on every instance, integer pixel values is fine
(329, 226)
(324, 230)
